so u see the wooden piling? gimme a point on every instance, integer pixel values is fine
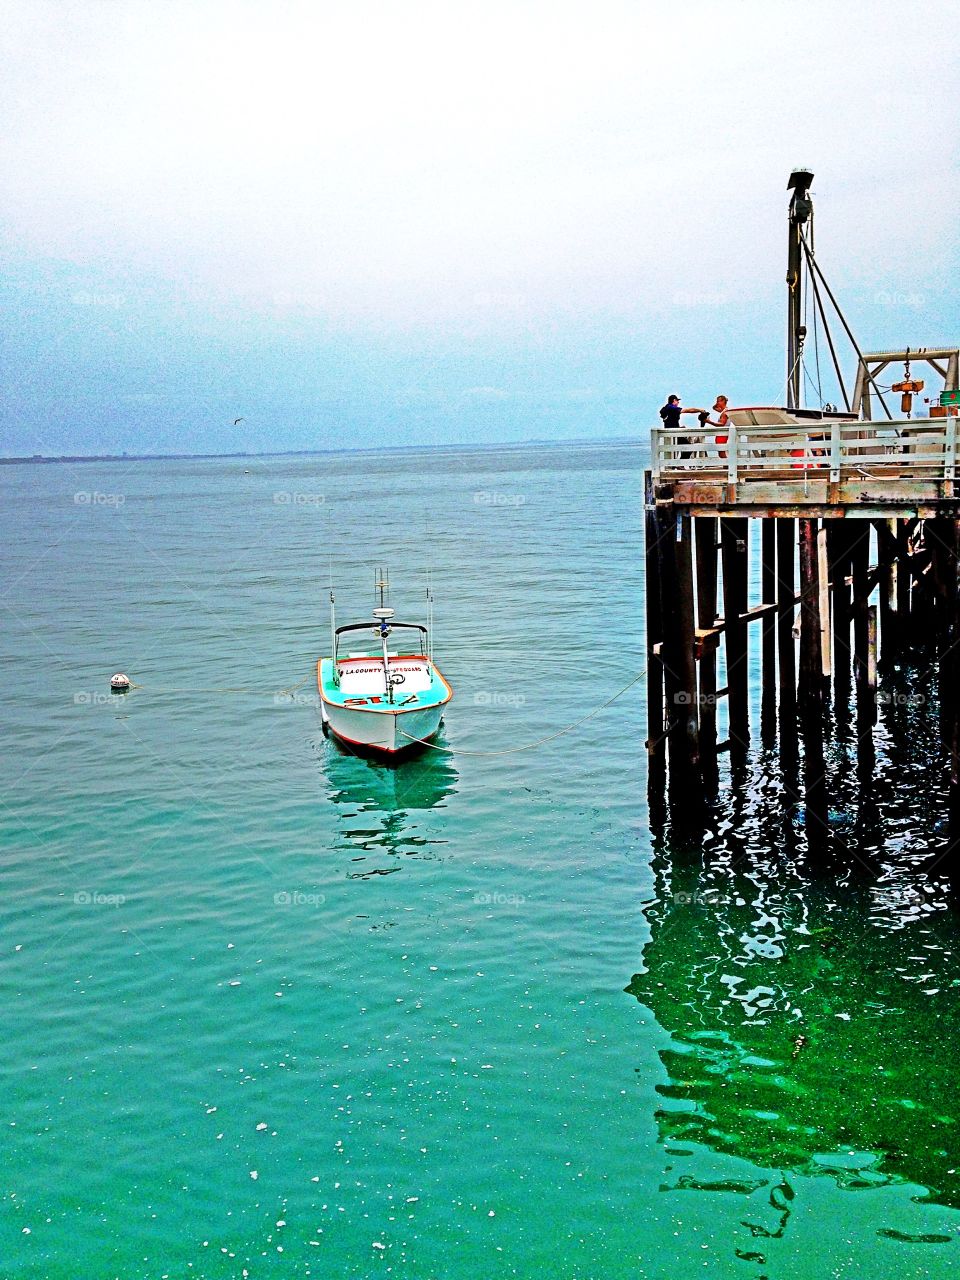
(823, 582)
(811, 659)
(811, 691)
(887, 566)
(786, 607)
(941, 534)
(656, 738)
(734, 544)
(903, 581)
(860, 563)
(838, 534)
(679, 665)
(939, 538)
(768, 634)
(923, 606)
(705, 531)
(870, 680)
(949, 687)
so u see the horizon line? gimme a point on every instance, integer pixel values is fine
(39, 459)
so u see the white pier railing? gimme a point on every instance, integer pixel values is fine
(908, 449)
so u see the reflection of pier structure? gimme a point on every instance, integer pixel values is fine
(857, 523)
(800, 1016)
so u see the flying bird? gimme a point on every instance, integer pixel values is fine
(236, 420)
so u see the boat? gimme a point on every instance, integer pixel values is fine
(797, 438)
(386, 696)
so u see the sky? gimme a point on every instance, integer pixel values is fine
(374, 223)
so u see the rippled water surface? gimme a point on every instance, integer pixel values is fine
(270, 1009)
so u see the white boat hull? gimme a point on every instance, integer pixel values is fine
(388, 730)
(365, 710)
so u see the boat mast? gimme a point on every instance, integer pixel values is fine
(801, 208)
(381, 584)
(333, 637)
(383, 616)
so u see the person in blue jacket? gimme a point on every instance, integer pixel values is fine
(671, 411)
(670, 417)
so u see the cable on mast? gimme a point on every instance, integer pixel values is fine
(836, 306)
(826, 329)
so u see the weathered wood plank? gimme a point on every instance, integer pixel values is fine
(734, 543)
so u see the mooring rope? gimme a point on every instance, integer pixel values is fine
(529, 746)
(507, 751)
(268, 693)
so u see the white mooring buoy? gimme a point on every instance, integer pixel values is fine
(119, 683)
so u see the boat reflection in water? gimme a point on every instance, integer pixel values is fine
(813, 1014)
(383, 806)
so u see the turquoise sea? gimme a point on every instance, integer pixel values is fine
(273, 1010)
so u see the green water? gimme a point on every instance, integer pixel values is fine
(274, 1010)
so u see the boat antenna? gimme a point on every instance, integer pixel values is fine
(429, 616)
(333, 636)
(383, 615)
(381, 585)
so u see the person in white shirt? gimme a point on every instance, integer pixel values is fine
(720, 409)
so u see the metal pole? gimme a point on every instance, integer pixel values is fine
(384, 632)
(801, 208)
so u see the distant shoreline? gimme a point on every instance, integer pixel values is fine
(51, 459)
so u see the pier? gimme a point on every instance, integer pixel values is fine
(848, 529)
(851, 531)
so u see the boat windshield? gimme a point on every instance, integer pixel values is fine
(361, 639)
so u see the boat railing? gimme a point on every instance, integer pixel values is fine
(835, 450)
